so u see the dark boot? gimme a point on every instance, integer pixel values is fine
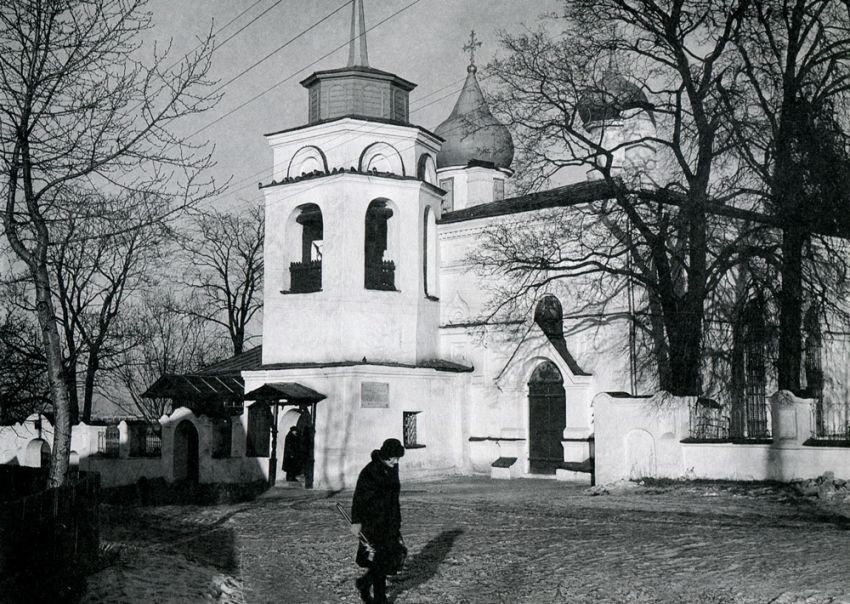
(380, 584)
(363, 586)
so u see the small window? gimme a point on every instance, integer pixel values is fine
(222, 435)
(498, 189)
(448, 185)
(411, 430)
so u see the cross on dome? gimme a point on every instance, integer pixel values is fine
(470, 47)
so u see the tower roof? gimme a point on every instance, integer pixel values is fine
(358, 89)
(471, 132)
(613, 94)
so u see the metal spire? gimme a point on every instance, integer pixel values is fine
(358, 32)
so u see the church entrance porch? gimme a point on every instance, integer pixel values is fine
(546, 419)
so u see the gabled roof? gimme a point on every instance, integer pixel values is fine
(567, 195)
(291, 392)
(245, 361)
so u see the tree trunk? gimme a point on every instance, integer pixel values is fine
(53, 354)
(660, 347)
(92, 367)
(684, 332)
(69, 375)
(791, 308)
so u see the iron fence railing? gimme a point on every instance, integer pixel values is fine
(830, 420)
(708, 420)
(108, 441)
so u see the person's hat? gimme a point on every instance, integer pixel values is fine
(392, 448)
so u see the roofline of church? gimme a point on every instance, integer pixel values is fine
(355, 116)
(436, 365)
(251, 360)
(352, 171)
(587, 192)
(358, 70)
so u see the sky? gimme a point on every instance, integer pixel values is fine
(423, 43)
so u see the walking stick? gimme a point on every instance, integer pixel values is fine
(360, 534)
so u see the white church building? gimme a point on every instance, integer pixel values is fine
(371, 304)
(369, 300)
(374, 323)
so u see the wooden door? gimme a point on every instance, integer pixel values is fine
(547, 419)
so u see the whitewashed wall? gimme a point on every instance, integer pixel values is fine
(641, 437)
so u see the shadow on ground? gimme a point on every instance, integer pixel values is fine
(424, 565)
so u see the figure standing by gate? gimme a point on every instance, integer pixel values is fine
(376, 513)
(292, 461)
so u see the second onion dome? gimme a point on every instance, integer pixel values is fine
(471, 133)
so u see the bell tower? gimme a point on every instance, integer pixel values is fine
(351, 210)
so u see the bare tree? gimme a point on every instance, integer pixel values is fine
(565, 98)
(79, 102)
(96, 267)
(787, 101)
(224, 256)
(23, 379)
(167, 342)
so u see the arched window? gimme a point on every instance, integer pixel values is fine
(429, 254)
(550, 317)
(379, 269)
(381, 157)
(427, 169)
(307, 232)
(306, 160)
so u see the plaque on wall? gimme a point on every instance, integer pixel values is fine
(374, 395)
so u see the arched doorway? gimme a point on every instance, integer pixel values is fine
(547, 419)
(186, 465)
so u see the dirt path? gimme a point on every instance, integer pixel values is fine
(481, 541)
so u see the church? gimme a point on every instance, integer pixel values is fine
(376, 323)
(369, 299)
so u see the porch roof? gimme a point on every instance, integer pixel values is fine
(196, 387)
(290, 392)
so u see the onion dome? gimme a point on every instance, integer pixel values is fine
(471, 132)
(613, 95)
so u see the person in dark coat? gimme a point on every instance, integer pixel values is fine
(376, 513)
(292, 462)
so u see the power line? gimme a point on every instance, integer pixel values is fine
(247, 25)
(279, 48)
(249, 180)
(293, 74)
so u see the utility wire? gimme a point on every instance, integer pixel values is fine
(293, 74)
(279, 48)
(248, 181)
(247, 25)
